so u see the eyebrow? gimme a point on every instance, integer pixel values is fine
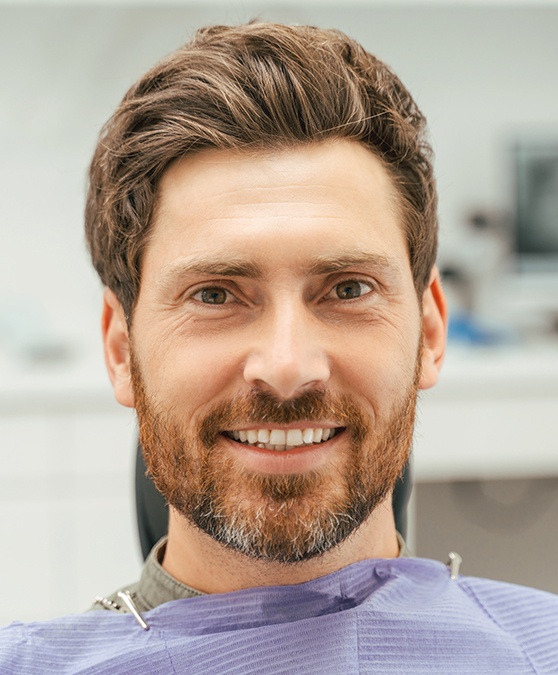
(338, 263)
(171, 274)
(238, 267)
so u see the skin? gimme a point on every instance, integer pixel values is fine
(299, 223)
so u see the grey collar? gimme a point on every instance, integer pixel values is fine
(156, 586)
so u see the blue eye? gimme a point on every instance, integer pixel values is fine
(212, 296)
(350, 289)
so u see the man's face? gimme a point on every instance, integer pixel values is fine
(276, 345)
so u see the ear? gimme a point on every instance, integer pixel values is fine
(434, 330)
(117, 349)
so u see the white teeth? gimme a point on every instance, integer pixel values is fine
(282, 439)
(278, 437)
(252, 435)
(263, 435)
(294, 437)
(308, 436)
(278, 448)
(318, 433)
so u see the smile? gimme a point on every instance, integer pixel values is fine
(282, 439)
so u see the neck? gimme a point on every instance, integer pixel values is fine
(195, 559)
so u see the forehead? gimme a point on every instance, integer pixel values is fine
(278, 207)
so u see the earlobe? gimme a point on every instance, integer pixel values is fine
(117, 349)
(434, 329)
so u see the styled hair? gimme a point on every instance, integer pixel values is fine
(260, 85)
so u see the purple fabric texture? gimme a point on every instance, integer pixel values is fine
(377, 616)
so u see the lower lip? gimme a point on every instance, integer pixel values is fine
(298, 460)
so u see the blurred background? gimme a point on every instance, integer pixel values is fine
(486, 449)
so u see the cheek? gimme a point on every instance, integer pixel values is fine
(190, 376)
(380, 368)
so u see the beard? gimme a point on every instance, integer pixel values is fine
(285, 518)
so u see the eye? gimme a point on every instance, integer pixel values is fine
(212, 296)
(350, 289)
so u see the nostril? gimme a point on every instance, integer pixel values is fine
(286, 374)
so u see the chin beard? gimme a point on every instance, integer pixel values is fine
(276, 518)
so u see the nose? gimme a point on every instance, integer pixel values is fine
(288, 355)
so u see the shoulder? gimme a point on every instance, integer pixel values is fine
(500, 627)
(71, 644)
(511, 603)
(528, 615)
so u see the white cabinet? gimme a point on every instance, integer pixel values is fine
(494, 414)
(67, 520)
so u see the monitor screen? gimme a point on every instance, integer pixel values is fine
(536, 207)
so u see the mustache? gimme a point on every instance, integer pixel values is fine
(261, 407)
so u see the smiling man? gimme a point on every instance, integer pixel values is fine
(262, 212)
(273, 356)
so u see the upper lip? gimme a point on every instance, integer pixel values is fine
(286, 427)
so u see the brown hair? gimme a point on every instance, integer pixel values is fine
(260, 85)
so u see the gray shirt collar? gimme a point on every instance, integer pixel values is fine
(156, 586)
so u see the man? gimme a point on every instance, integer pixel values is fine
(262, 212)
